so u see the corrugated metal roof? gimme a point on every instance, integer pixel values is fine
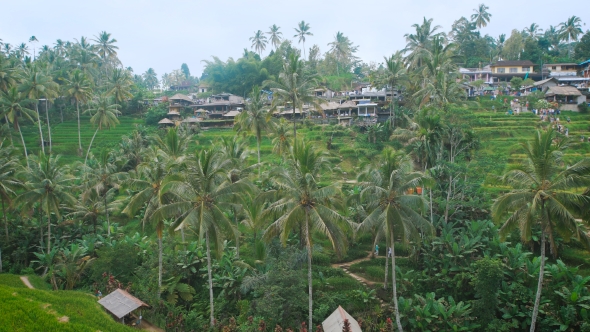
(335, 321)
(120, 303)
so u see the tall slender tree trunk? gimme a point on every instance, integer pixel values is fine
(39, 123)
(394, 284)
(48, 125)
(309, 281)
(431, 213)
(211, 305)
(258, 146)
(24, 145)
(539, 284)
(48, 228)
(79, 137)
(448, 199)
(89, 146)
(294, 124)
(159, 265)
(106, 211)
(9, 133)
(5, 219)
(386, 267)
(238, 236)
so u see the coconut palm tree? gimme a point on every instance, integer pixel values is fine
(343, 50)
(534, 31)
(150, 78)
(305, 206)
(173, 147)
(570, 30)
(420, 41)
(105, 115)
(33, 40)
(9, 165)
(89, 208)
(198, 202)
(105, 48)
(259, 42)
(13, 106)
(79, 87)
(119, 85)
(394, 73)
(8, 75)
(552, 35)
(254, 120)
(34, 85)
(294, 86)
(281, 137)
(544, 197)
(481, 16)
(302, 31)
(236, 150)
(47, 182)
(275, 36)
(393, 210)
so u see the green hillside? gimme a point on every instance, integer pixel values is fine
(26, 309)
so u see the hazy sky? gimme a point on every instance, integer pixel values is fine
(164, 34)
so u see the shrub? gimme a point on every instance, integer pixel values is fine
(583, 108)
(320, 259)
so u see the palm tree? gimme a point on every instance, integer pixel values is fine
(89, 208)
(552, 35)
(294, 86)
(392, 209)
(198, 202)
(570, 30)
(7, 74)
(481, 16)
(420, 41)
(302, 31)
(281, 141)
(254, 119)
(533, 31)
(105, 116)
(151, 78)
(33, 40)
(13, 106)
(500, 43)
(305, 206)
(275, 36)
(395, 72)
(259, 42)
(79, 87)
(543, 196)
(119, 85)
(8, 181)
(105, 47)
(47, 182)
(34, 85)
(343, 49)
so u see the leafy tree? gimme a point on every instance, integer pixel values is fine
(513, 46)
(254, 119)
(543, 195)
(259, 42)
(393, 210)
(302, 31)
(281, 137)
(198, 202)
(274, 35)
(13, 106)
(8, 182)
(79, 87)
(305, 206)
(105, 115)
(582, 50)
(184, 69)
(516, 83)
(481, 18)
(48, 183)
(150, 79)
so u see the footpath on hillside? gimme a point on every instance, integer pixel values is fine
(26, 281)
(346, 267)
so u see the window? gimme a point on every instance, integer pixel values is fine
(501, 70)
(526, 69)
(514, 70)
(554, 67)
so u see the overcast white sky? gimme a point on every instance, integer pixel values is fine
(164, 34)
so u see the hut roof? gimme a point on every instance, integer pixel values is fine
(190, 120)
(347, 104)
(120, 303)
(335, 321)
(165, 121)
(180, 96)
(563, 91)
(329, 106)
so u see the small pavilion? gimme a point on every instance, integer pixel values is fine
(335, 321)
(120, 304)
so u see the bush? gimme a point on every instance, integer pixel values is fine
(583, 108)
(320, 259)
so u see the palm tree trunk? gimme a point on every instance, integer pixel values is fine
(238, 236)
(386, 268)
(394, 284)
(9, 133)
(24, 145)
(159, 265)
(48, 228)
(448, 199)
(89, 146)
(309, 281)
(294, 125)
(39, 123)
(5, 219)
(79, 137)
(258, 146)
(106, 211)
(211, 305)
(539, 284)
(431, 214)
(48, 125)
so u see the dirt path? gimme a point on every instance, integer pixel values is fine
(146, 326)
(346, 266)
(26, 281)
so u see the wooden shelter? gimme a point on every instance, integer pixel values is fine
(165, 122)
(120, 303)
(568, 96)
(335, 321)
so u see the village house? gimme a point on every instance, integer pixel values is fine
(203, 87)
(475, 74)
(324, 93)
(220, 104)
(568, 97)
(506, 70)
(561, 69)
